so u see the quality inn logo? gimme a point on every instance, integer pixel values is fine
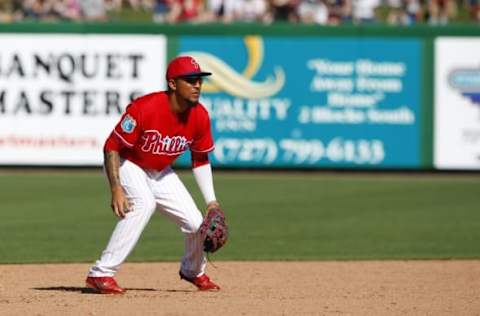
(240, 84)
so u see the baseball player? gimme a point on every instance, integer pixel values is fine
(154, 130)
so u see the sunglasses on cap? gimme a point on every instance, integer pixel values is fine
(192, 80)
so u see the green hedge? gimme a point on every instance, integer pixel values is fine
(279, 29)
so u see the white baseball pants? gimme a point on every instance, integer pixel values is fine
(148, 191)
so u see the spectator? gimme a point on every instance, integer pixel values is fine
(414, 11)
(283, 10)
(185, 11)
(5, 11)
(29, 9)
(17, 10)
(34, 9)
(475, 10)
(396, 12)
(249, 10)
(113, 5)
(146, 5)
(67, 10)
(117, 5)
(364, 11)
(219, 10)
(93, 10)
(340, 11)
(313, 12)
(161, 10)
(441, 11)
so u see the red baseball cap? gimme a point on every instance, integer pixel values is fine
(185, 66)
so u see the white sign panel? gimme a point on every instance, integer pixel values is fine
(61, 95)
(457, 103)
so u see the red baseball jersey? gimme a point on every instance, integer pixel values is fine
(152, 136)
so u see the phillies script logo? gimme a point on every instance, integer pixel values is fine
(156, 144)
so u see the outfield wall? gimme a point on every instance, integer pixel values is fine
(282, 96)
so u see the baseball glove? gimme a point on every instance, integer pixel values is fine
(214, 230)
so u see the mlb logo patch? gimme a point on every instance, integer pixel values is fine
(128, 124)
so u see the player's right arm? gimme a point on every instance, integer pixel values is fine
(119, 203)
(124, 135)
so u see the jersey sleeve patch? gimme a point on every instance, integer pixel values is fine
(128, 124)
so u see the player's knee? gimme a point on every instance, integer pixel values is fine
(194, 223)
(144, 205)
(150, 205)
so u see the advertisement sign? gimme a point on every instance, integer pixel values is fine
(60, 95)
(311, 102)
(457, 103)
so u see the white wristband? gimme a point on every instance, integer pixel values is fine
(204, 178)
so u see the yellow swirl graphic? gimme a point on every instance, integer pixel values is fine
(254, 46)
(227, 79)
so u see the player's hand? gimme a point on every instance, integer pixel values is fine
(213, 204)
(120, 204)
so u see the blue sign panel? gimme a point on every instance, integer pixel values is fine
(311, 102)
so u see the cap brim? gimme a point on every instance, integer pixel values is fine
(195, 74)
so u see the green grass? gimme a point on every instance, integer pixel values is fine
(65, 217)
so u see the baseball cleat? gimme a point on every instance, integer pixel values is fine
(104, 285)
(203, 282)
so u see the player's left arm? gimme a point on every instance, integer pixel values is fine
(202, 171)
(214, 229)
(201, 146)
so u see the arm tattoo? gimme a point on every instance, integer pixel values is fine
(112, 164)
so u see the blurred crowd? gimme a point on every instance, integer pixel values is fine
(323, 12)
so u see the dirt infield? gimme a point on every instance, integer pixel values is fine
(251, 288)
